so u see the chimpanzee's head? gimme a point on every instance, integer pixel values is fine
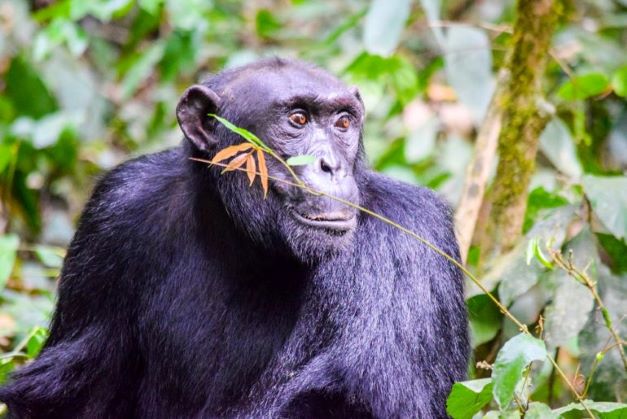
(296, 109)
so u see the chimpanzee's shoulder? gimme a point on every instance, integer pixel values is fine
(404, 202)
(138, 189)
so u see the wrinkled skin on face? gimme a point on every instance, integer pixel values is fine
(297, 110)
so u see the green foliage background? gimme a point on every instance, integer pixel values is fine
(87, 84)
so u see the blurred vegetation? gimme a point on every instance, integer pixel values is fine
(87, 84)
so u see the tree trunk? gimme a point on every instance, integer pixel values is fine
(524, 118)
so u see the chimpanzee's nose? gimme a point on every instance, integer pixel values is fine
(329, 165)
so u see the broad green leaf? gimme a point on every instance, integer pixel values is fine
(468, 397)
(605, 410)
(511, 270)
(558, 146)
(609, 381)
(619, 81)
(563, 319)
(22, 84)
(384, 24)
(582, 87)
(485, 319)
(301, 160)
(468, 68)
(608, 196)
(8, 252)
(540, 411)
(539, 200)
(511, 361)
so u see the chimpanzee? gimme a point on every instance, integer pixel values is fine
(187, 293)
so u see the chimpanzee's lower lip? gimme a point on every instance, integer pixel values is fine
(327, 221)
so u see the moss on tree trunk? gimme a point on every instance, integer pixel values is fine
(523, 119)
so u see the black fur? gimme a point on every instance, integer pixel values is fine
(185, 294)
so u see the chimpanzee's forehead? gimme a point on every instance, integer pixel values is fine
(285, 83)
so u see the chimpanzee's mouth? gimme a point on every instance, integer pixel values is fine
(335, 221)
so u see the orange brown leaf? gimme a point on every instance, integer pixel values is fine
(236, 163)
(251, 168)
(230, 151)
(263, 172)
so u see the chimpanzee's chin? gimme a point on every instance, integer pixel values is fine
(311, 244)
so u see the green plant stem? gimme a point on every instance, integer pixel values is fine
(523, 328)
(584, 279)
(17, 351)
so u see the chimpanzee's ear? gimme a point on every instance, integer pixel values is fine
(193, 112)
(355, 91)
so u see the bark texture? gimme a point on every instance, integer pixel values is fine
(524, 118)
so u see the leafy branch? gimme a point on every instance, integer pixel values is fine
(583, 278)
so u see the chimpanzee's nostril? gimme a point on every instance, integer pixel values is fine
(325, 166)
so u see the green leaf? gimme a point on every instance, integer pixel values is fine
(605, 410)
(619, 81)
(151, 6)
(432, 11)
(266, 23)
(22, 84)
(36, 340)
(485, 319)
(582, 87)
(6, 156)
(557, 144)
(468, 397)
(8, 251)
(540, 411)
(511, 361)
(516, 277)
(247, 135)
(616, 250)
(384, 23)
(104, 10)
(179, 54)
(6, 367)
(468, 68)
(50, 256)
(143, 66)
(563, 320)
(394, 70)
(535, 252)
(540, 199)
(608, 196)
(301, 160)
(188, 14)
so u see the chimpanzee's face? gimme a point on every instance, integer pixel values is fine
(298, 110)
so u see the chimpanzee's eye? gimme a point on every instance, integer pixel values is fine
(344, 122)
(298, 118)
